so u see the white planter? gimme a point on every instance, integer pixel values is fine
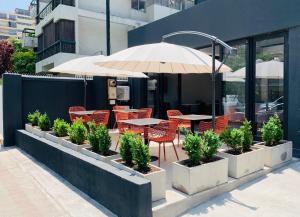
(50, 136)
(192, 180)
(157, 179)
(107, 159)
(38, 132)
(278, 154)
(68, 144)
(28, 128)
(246, 163)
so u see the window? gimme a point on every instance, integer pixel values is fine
(3, 16)
(233, 98)
(269, 80)
(12, 24)
(139, 5)
(12, 17)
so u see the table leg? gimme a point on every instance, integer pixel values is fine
(146, 135)
(193, 126)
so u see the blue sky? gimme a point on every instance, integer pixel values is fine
(10, 5)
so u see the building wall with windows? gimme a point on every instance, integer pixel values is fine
(86, 24)
(265, 74)
(13, 23)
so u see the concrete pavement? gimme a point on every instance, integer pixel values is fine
(276, 195)
(27, 188)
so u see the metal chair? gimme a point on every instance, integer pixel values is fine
(221, 124)
(145, 112)
(181, 123)
(73, 117)
(164, 132)
(100, 117)
(118, 107)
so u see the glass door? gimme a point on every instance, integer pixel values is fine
(269, 80)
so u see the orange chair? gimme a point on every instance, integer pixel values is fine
(73, 117)
(100, 117)
(118, 107)
(221, 124)
(164, 132)
(181, 123)
(145, 112)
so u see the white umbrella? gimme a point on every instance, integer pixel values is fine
(162, 58)
(85, 66)
(264, 70)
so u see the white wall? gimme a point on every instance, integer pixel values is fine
(155, 12)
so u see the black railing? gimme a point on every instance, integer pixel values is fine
(51, 6)
(57, 47)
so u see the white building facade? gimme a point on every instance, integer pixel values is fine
(68, 29)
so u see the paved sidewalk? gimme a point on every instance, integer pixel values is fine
(29, 189)
(277, 195)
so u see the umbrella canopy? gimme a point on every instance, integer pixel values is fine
(161, 58)
(86, 66)
(264, 70)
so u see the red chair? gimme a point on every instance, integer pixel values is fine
(73, 117)
(145, 112)
(100, 117)
(221, 124)
(118, 107)
(181, 123)
(164, 132)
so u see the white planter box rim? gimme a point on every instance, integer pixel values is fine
(180, 163)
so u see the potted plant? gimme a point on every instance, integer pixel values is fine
(276, 149)
(135, 158)
(60, 130)
(77, 136)
(100, 141)
(33, 119)
(44, 125)
(203, 169)
(243, 157)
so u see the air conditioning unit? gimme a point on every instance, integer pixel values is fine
(123, 93)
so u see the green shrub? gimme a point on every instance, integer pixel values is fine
(44, 122)
(191, 145)
(104, 140)
(248, 136)
(60, 127)
(33, 118)
(234, 138)
(93, 136)
(77, 132)
(272, 131)
(140, 155)
(126, 141)
(210, 143)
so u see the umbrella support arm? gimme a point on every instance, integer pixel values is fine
(214, 41)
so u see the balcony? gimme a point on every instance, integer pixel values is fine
(51, 6)
(175, 4)
(58, 47)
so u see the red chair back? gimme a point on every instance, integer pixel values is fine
(221, 123)
(120, 107)
(75, 109)
(145, 113)
(165, 131)
(100, 117)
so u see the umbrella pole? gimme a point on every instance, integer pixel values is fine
(85, 91)
(213, 86)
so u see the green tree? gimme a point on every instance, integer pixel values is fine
(24, 62)
(6, 51)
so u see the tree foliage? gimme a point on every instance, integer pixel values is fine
(24, 62)
(6, 52)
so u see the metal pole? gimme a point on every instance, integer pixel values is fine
(85, 83)
(213, 74)
(107, 27)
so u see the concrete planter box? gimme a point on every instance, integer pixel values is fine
(157, 178)
(68, 144)
(274, 155)
(107, 159)
(28, 128)
(192, 180)
(38, 132)
(246, 163)
(51, 137)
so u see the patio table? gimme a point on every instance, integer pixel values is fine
(143, 122)
(193, 118)
(90, 112)
(126, 110)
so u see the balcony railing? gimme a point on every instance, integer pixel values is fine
(176, 4)
(51, 6)
(57, 47)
